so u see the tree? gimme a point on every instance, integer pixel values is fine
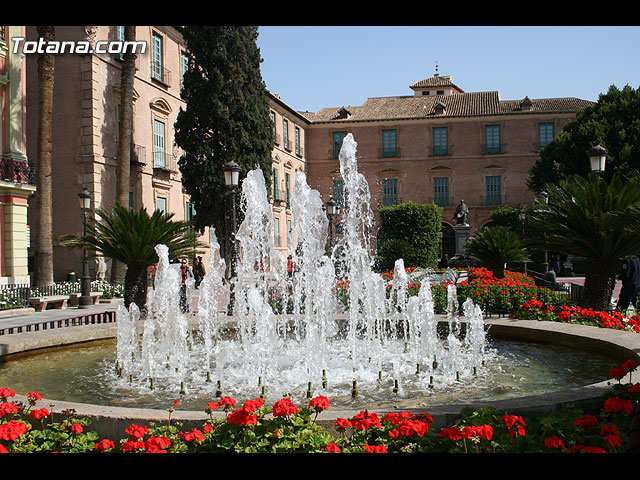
(226, 118)
(44, 238)
(125, 132)
(130, 237)
(613, 122)
(495, 246)
(595, 219)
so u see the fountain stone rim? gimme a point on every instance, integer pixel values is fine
(112, 421)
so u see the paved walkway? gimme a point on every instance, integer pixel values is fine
(580, 281)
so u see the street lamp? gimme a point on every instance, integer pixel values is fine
(332, 211)
(597, 158)
(231, 180)
(545, 265)
(85, 205)
(522, 218)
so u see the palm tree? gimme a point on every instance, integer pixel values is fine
(495, 246)
(125, 135)
(44, 236)
(590, 218)
(130, 237)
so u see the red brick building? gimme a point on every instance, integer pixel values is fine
(440, 144)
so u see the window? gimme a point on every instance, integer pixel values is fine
(545, 134)
(273, 123)
(492, 138)
(338, 137)
(440, 141)
(161, 204)
(184, 65)
(494, 190)
(285, 133)
(441, 191)
(120, 38)
(190, 211)
(287, 184)
(276, 231)
(289, 230)
(389, 143)
(297, 140)
(156, 56)
(275, 184)
(390, 191)
(339, 194)
(159, 160)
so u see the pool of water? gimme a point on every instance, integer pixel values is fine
(87, 374)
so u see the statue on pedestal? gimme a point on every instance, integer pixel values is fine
(462, 214)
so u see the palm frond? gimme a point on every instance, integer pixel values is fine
(130, 237)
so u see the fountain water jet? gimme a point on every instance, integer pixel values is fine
(292, 334)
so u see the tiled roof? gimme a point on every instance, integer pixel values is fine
(435, 81)
(456, 105)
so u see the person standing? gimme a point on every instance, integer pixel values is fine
(101, 268)
(153, 269)
(630, 276)
(186, 273)
(198, 271)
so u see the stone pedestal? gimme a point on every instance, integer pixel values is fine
(462, 235)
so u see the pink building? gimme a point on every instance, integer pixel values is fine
(16, 185)
(85, 132)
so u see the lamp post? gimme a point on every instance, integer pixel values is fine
(522, 218)
(85, 205)
(597, 158)
(231, 180)
(332, 211)
(545, 265)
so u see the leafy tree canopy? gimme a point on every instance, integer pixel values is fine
(226, 117)
(613, 122)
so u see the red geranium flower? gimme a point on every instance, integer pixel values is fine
(613, 440)
(586, 421)
(103, 445)
(7, 408)
(343, 423)
(452, 433)
(12, 429)
(34, 396)
(136, 431)
(76, 428)
(617, 404)
(554, 442)
(319, 403)
(375, 449)
(6, 393)
(333, 448)
(40, 413)
(284, 407)
(609, 428)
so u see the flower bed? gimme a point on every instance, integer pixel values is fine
(291, 428)
(537, 310)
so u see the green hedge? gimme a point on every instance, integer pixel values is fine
(415, 226)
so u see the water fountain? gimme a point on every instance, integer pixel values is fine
(380, 345)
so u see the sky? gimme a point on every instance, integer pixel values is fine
(313, 67)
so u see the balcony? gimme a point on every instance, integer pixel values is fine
(164, 162)
(16, 171)
(160, 74)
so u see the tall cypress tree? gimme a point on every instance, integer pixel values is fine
(226, 118)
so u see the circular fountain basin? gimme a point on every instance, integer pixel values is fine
(111, 421)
